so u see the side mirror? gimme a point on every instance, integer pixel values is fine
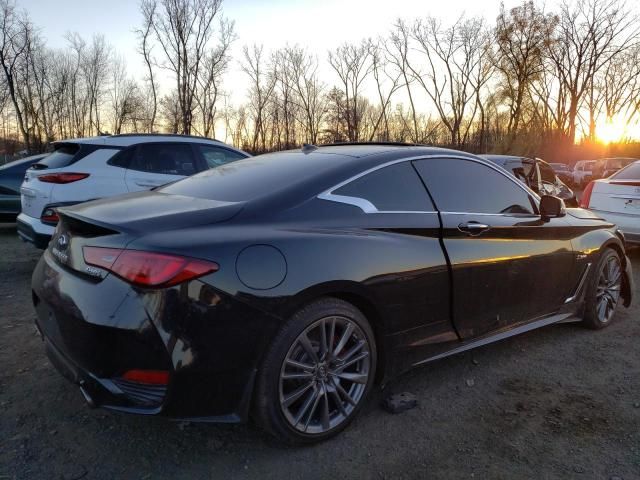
(551, 207)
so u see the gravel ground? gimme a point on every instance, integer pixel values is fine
(561, 402)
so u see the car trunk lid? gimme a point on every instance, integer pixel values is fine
(113, 223)
(619, 196)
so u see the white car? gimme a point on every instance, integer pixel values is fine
(617, 199)
(582, 172)
(89, 168)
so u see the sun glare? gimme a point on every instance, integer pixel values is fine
(616, 129)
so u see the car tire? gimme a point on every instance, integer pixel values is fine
(603, 291)
(334, 370)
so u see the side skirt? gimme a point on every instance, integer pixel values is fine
(512, 332)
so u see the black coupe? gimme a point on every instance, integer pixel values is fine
(282, 287)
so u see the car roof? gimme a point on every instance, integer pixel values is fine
(365, 154)
(503, 159)
(126, 140)
(295, 173)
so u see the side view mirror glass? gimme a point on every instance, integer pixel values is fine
(552, 207)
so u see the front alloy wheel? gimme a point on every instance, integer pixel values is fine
(324, 375)
(608, 290)
(603, 294)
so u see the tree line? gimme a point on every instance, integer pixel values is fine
(532, 80)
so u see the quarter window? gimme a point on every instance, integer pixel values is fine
(458, 185)
(393, 188)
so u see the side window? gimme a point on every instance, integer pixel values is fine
(547, 173)
(393, 188)
(215, 156)
(166, 158)
(458, 185)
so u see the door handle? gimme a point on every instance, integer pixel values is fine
(473, 228)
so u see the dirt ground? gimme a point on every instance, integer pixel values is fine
(561, 402)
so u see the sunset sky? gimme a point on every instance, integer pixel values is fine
(317, 25)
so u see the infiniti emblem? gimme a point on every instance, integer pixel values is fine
(63, 242)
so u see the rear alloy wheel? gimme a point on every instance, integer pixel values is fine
(324, 375)
(604, 291)
(325, 360)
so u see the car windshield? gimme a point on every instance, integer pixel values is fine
(632, 172)
(559, 167)
(619, 162)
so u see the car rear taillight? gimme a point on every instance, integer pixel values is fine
(49, 215)
(586, 195)
(62, 177)
(148, 269)
(150, 377)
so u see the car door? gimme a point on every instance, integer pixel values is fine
(397, 211)
(508, 265)
(155, 164)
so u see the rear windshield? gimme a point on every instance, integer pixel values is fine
(251, 178)
(632, 172)
(62, 156)
(619, 162)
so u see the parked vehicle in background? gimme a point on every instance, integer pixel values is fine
(582, 172)
(537, 175)
(282, 287)
(90, 168)
(11, 177)
(606, 167)
(617, 199)
(563, 172)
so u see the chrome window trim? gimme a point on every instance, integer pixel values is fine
(522, 215)
(367, 207)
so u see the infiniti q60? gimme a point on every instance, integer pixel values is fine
(283, 287)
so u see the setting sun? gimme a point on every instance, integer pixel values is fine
(616, 129)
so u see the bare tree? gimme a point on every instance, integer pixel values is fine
(398, 50)
(352, 64)
(215, 65)
(145, 48)
(380, 69)
(452, 55)
(308, 89)
(523, 35)
(15, 30)
(124, 95)
(184, 29)
(589, 35)
(261, 89)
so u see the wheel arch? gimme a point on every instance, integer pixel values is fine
(616, 245)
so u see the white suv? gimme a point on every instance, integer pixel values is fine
(89, 168)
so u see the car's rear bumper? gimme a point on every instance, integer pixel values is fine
(95, 331)
(33, 231)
